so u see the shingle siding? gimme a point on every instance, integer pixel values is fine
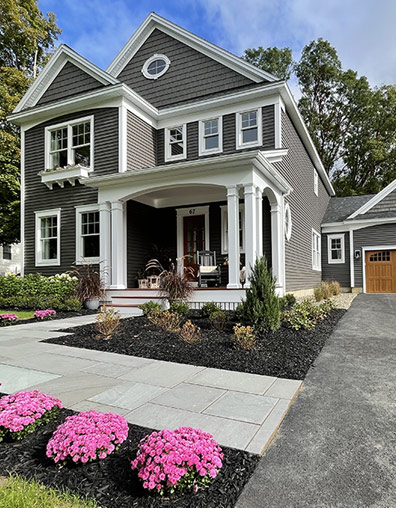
(38, 197)
(191, 74)
(307, 209)
(70, 81)
(142, 141)
(336, 271)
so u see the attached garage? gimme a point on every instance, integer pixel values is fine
(380, 271)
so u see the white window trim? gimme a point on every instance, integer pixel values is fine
(219, 149)
(315, 267)
(224, 219)
(39, 261)
(259, 142)
(168, 156)
(150, 60)
(288, 230)
(316, 183)
(69, 126)
(80, 259)
(329, 259)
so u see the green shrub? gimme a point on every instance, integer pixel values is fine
(71, 304)
(209, 308)
(180, 308)
(306, 314)
(287, 301)
(218, 319)
(318, 293)
(261, 309)
(151, 308)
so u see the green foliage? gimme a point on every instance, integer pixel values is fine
(218, 319)
(287, 301)
(306, 314)
(278, 62)
(260, 309)
(180, 308)
(151, 308)
(209, 308)
(244, 337)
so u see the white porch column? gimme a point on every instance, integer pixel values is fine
(233, 237)
(250, 230)
(259, 222)
(118, 245)
(105, 242)
(277, 247)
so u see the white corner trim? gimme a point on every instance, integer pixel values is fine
(39, 261)
(122, 138)
(369, 248)
(374, 200)
(188, 212)
(22, 221)
(316, 267)
(239, 144)
(80, 259)
(167, 148)
(152, 59)
(201, 140)
(316, 183)
(278, 123)
(331, 261)
(351, 259)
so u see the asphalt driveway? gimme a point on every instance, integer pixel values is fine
(337, 446)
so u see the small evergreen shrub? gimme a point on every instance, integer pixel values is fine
(244, 337)
(180, 308)
(151, 308)
(107, 322)
(261, 308)
(306, 314)
(287, 301)
(209, 308)
(218, 320)
(190, 333)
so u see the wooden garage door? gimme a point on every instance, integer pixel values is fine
(381, 271)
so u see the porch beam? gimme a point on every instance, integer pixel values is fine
(118, 245)
(105, 242)
(233, 237)
(250, 230)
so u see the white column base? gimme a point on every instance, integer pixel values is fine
(234, 286)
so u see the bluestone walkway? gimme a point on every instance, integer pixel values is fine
(337, 446)
(240, 410)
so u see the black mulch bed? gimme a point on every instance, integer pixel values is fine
(111, 481)
(60, 314)
(284, 353)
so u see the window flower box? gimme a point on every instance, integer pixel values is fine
(60, 175)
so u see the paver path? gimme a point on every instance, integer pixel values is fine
(240, 410)
(337, 446)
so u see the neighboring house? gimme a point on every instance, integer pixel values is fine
(10, 258)
(359, 241)
(178, 144)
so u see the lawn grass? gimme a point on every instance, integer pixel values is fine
(16, 492)
(22, 314)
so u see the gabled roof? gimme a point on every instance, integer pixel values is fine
(56, 63)
(340, 208)
(154, 21)
(374, 200)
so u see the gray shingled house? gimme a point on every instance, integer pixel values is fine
(178, 147)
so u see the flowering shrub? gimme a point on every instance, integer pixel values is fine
(179, 459)
(22, 412)
(87, 436)
(44, 314)
(8, 319)
(306, 314)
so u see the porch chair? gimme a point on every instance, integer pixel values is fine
(208, 270)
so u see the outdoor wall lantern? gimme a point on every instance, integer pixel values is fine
(357, 254)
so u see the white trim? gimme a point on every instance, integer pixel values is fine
(167, 148)
(153, 21)
(351, 259)
(69, 126)
(288, 230)
(149, 61)
(347, 225)
(201, 134)
(278, 123)
(367, 249)
(339, 236)
(188, 212)
(80, 259)
(374, 200)
(22, 220)
(39, 261)
(224, 229)
(316, 183)
(239, 143)
(122, 138)
(316, 267)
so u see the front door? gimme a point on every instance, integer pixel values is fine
(194, 240)
(381, 271)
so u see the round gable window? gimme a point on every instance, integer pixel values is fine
(155, 66)
(288, 222)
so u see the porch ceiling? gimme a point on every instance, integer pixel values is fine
(180, 196)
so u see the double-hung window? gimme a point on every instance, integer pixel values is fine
(316, 264)
(7, 252)
(70, 144)
(210, 136)
(336, 249)
(175, 143)
(87, 234)
(224, 228)
(249, 128)
(48, 237)
(316, 183)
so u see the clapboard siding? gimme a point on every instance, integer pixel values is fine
(141, 148)
(386, 207)
(38, 197)
(336, 271)
(70, 81)
(382, 235)
(191, 74)
(307, 209)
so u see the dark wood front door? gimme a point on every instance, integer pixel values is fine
(381, 271)
(194, 240)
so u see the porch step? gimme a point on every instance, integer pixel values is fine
(126, 309)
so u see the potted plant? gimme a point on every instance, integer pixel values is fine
(90, 287)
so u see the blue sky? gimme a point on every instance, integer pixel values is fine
(363, 31)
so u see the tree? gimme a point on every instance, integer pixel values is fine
(274, 60)
(27, 37)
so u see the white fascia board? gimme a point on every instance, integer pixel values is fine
(349, 225)
(61, 56)
(153, 21)
(374, 200)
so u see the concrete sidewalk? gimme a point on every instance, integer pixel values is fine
(240, 410)
(337, 446)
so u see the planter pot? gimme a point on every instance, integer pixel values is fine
(92, 304)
